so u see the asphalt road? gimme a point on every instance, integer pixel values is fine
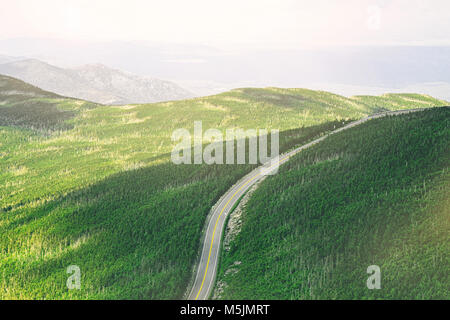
(207, 268)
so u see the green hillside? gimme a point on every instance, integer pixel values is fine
(25, 106)
(376, 194)
(93, 185)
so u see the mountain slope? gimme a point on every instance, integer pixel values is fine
(25, 106)
(96, 83)
(376, 194)
(130, 88)
(14, 90)
(102, 193)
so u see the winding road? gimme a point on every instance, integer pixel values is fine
(207, 267)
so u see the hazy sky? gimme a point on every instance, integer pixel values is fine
(232, 23)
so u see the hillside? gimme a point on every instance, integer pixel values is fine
(96, 83)
(25, 106)
(376, 194)
(99, 190)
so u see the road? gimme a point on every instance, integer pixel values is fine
(207, 267)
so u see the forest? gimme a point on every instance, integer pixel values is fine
(376, 194)
(93, 185)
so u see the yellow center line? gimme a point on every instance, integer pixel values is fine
(221, 212)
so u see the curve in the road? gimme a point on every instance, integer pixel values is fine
(206, 270)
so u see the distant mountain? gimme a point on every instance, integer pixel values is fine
(130, 88)
(96, 83)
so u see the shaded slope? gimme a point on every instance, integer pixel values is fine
(373, 195)
(25, 106)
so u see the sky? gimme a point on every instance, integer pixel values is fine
(232, 23)
(208, 46)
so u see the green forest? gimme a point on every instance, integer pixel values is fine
(92, 185)
(376, 194)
